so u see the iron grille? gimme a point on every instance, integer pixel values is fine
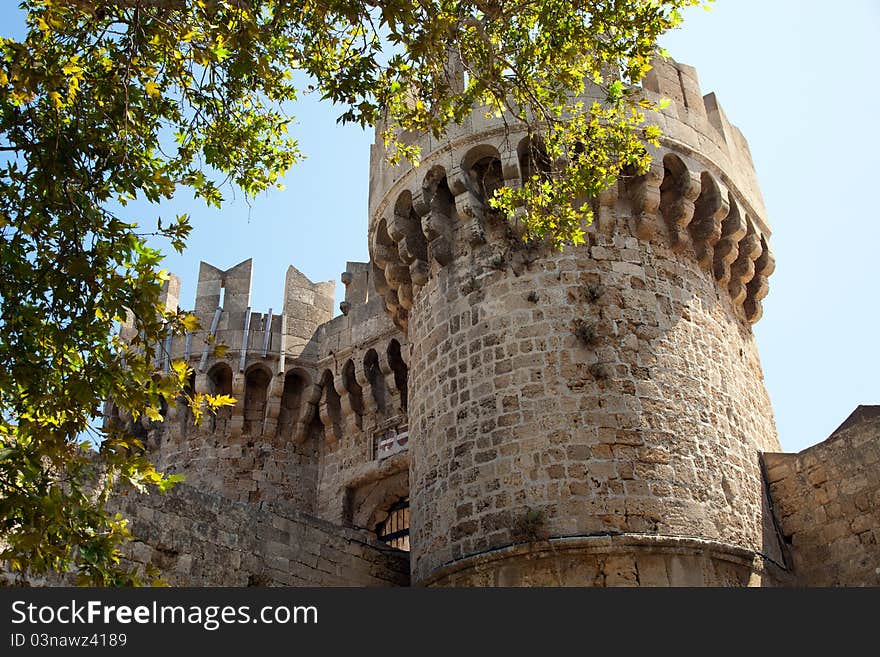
(394, 530)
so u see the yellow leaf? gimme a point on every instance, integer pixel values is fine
(218, 401)
(180, 368)
(190, 322)
(56, 99)
(152, 88)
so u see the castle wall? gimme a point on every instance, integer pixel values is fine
(827, 500)
(202, 539)
(311, 393)
(247, 467)
(354, 350)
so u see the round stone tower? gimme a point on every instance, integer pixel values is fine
(593, 416)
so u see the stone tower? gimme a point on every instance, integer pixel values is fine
(593, 416)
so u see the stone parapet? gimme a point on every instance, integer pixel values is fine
(700, 197)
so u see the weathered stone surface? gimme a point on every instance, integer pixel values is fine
(198, 538)
(827, 500)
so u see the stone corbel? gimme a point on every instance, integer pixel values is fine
(411, 246)
(395, 402)
(236, 421)
(605, 221)
(353, 421)
(759, 286)
(332, 431)
(710, 210)
(311, 399)
(273, 405)
(437, 227)
(743, 269)
(360, 375)
(677, 206)
(468, 206)
(510, 169)
(644, 194)
(733, 229)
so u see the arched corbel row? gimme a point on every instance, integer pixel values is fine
(678, 191)
(733, 229)
(759, 286)
(743, 268)
(710, 210)
(672, 198)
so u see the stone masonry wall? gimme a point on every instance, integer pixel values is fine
(654, 428)
(308, 445)
(369, 397)
(202, 539)
(255, 466)
(827, 500)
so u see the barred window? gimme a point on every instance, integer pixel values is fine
(394, 530)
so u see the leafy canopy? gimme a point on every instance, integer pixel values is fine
(105, 102)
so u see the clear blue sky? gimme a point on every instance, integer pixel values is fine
(799, 79)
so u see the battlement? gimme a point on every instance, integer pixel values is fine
(698, 123)
(692, 124)
(305, 383)
(223, 308)
(700, 198)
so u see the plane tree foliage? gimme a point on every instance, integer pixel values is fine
(102, 103)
